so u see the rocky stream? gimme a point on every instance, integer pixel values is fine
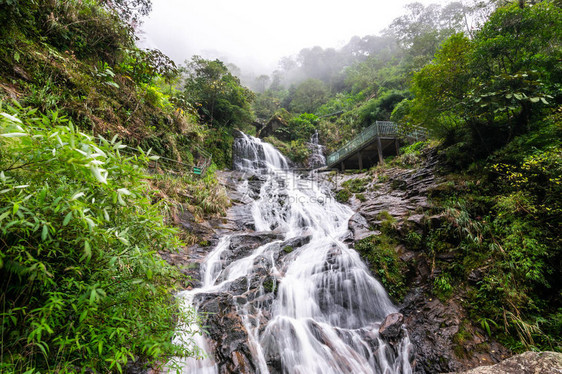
(280, 289)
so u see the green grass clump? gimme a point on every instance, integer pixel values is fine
(343, 195)
(380, 252)
(361, 197)
(356, 185)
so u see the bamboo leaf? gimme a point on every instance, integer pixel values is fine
(10, 117)
(44, 233)
(4, 215)
(14, 135)
(87, 252)
(67, 218)
(83, 315)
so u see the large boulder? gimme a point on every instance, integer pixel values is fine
(359, 226)
(525, 363)
(391, 327)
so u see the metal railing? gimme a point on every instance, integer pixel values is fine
(379, 128)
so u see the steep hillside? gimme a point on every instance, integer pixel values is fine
(84, 115)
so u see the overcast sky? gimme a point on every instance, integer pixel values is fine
(258, 33)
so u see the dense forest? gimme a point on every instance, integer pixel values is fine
(84, 112)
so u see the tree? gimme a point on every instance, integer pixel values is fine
(516, 64)
(439, 87)
(420, 31)
(261, 82)
(130, 11)
(308, 96)
(218, 96)
(493, 85)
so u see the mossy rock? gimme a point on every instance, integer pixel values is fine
(288, 249)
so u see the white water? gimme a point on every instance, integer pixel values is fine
(317, 158)
(328, 307)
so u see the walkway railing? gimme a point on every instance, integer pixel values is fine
(379, 128)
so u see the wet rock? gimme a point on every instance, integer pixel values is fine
(525, 363)
(237, 134)
(226, 332)
(416, 219)
(359, 227)
(391, 327)
(239, 286)
(187, 221)
(243, 245)
(297, 242)
(476, 276)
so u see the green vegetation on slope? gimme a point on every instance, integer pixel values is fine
(78, 255)
(81, 222)
(502, 220)
(495, 100)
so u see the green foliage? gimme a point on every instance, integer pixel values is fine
(218, 96)
(267, 104)
(361, 197)
(380, 252)
(83, 27)
(288, 249)
(379, 109)
(492, 86)
(339, 102)
(78, 252)
(356, 185)
(301, 127)
(143, 66)
(343, 195)
(296, 150)
(388, 223)
(442, 287)
(80, 59)
(439, 87)
(410, 155)
(307, 96)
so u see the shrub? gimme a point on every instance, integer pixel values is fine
(79, 252)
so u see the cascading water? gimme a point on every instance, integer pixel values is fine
(316, 158)
(306, 302)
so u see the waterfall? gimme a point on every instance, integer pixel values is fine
(317, 158)
(305, 301)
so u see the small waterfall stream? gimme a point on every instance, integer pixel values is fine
(305, 301)
(316, 158)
